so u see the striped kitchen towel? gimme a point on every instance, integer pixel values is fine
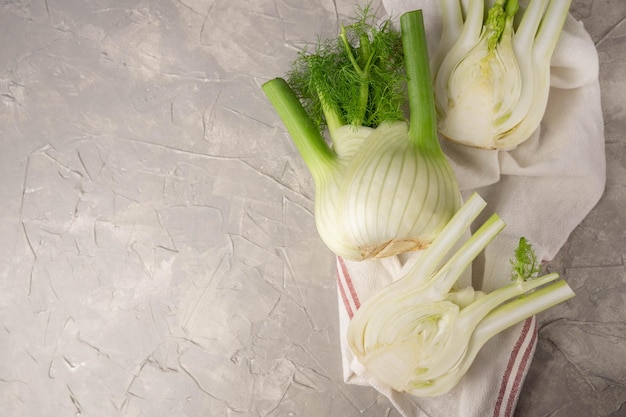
(542, 190)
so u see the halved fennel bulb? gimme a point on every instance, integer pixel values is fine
(420, 334)
(491, 76)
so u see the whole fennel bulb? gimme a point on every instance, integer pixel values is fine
(383, 186)
(492, 70)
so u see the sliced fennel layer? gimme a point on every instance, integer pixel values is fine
(491, 75)
(420, 334)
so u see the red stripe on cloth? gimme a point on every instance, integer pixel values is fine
(348, 280)
(517, 383)
(344, 297)
(515, 375)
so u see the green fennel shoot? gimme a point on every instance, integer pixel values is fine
(525, 264)
(356, 79)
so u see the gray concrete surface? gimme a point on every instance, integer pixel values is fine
(157, 244)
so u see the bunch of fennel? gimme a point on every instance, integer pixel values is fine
(383, 185)
(420, 334)
(492, 75)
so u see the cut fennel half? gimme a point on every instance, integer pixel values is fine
(492, 69)
(420, 334)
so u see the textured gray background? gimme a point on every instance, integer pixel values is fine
(157, 245)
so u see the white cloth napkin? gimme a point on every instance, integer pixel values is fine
(542, 189)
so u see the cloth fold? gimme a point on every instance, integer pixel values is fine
(542, 189)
